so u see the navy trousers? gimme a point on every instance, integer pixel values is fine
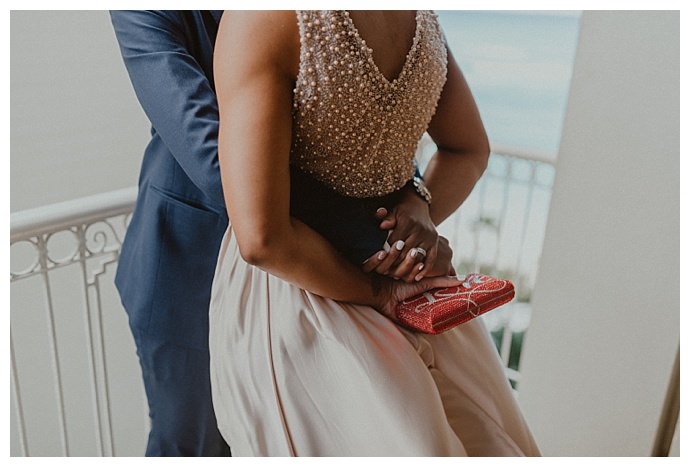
(172, 374)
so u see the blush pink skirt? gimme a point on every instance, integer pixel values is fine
(296, 374)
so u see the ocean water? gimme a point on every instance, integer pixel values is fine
(518, 66)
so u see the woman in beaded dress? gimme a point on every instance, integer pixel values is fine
(306, 357)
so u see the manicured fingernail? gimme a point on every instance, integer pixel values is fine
(381, 255)
(421, 266)
(413, 252)
(380, 210)
(419, 277)
(399, 245)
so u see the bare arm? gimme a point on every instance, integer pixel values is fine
(256, 63)
(463, 147)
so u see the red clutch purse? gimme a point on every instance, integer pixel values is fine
(439, 310)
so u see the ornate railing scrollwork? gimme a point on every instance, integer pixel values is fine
(59, 248)
(86, 234)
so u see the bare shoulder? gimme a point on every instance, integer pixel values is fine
(268, 37)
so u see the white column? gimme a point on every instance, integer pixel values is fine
(605, 327)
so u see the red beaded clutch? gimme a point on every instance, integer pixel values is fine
(439, 310)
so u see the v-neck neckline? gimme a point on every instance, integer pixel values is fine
(370, 52)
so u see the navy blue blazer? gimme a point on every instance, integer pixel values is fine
(169, 254)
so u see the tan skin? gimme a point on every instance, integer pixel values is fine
(256, 64)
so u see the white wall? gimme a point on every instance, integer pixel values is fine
(76, 128)
(605, 326)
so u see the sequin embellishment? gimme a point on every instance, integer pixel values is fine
(353, 129)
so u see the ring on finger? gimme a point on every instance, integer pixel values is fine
(421, 251)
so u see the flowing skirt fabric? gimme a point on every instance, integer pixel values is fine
(296, 374)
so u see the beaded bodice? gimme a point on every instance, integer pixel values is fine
(353, 129)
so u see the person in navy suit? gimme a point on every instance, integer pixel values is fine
(170, 249)
(169, 254)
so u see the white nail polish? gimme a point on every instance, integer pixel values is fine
(399, 245)
(413, 252)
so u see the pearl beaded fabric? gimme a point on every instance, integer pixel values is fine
(353, 128)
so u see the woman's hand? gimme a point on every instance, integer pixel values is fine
(443, 265)
(393, 292)
(411, 230)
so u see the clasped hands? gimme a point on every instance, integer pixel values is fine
(416, 249)
(419, 259)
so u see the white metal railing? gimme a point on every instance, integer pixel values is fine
(62, 260)
(75, 383)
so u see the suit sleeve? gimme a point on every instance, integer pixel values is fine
(174, 92)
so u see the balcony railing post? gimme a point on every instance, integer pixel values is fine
(19, 405)
(91, 347)
(42, 241)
